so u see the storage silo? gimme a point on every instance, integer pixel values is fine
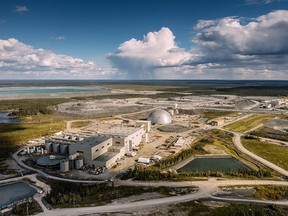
(79, 163)
(48, 146)
(71, 164)
(55, 147)
(64, 165)
(64, 149)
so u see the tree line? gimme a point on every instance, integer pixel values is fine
(152, 173)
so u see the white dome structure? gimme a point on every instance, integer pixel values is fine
(159, 116)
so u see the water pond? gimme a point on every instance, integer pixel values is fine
(11, 193)
(4, 118)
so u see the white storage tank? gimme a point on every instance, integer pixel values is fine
(64, 149)
(64, 165)
(79, 163)
(48, 146)
(56, 148)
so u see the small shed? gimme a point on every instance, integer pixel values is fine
(143, 160)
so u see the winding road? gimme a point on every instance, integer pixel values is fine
(206, 189)
(237, 142)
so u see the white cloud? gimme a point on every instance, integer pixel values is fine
(261, 2)
(259, 39)
(18, 60)
(60, 38)
(241, 48)
(20, 9)
(157, 49)
(226, 48)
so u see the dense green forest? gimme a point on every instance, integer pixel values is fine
(76, 194)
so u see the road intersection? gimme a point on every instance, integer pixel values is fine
(206, 189)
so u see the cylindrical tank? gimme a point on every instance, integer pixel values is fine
(48, 146)
(171, 112)
(64, 165)
(71, 164)
(55, 148)
(63, 149)
(79, 163)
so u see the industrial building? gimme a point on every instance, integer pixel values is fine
(217, 122)
(100, 149)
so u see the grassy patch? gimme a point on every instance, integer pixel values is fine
(270, 133)
(212, 115)
(14, 134)
(32, 207)
(79, 124)
(246, 210)
(76, 194)
(224, 141)
(271, 192)
(193, 208)
(273, 153)
(107, 118)
(248, 123)
(263, 192)
(24, 107)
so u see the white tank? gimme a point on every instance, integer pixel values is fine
(79, 163)
(56, 148)
(48, 146)
(64, 165)
(63, 149)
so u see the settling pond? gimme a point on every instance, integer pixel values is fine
(205, 164)
(11, 193)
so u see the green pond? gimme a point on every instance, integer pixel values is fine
(213, 164)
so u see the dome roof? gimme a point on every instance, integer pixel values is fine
(159, 116)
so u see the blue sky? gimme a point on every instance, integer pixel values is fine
(92, 39)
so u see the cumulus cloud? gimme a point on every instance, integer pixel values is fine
(261, 38)
(20, 9)
(19, 60)
(157, 49)
(241, 44)
(229, 48)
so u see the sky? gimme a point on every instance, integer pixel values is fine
(144, 39)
